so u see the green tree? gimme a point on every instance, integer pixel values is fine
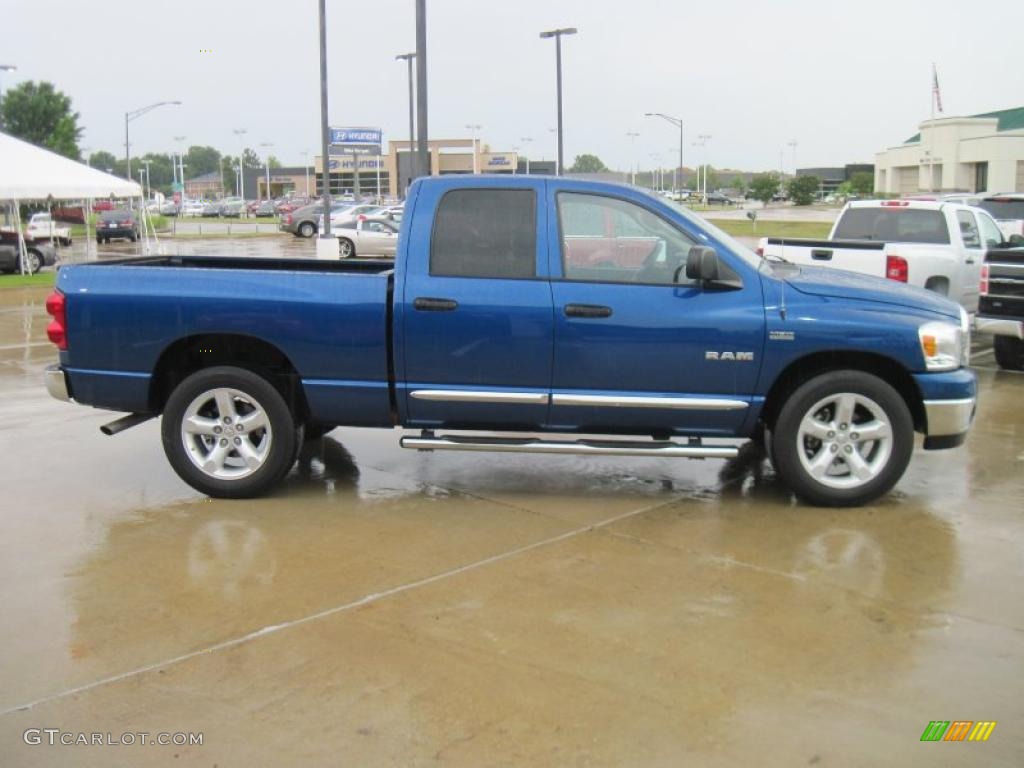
(161, 172)
(42, 115)
(273, 162)
(250, 159)
(739, 184)
(200, 160)
(801, 189)
(587, 164)
(710, 181)
(862, 183)
(764, 186)
(101, 160)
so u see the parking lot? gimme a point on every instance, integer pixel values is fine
(397, 608)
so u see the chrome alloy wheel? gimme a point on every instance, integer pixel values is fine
(226, 433)
(844, 440)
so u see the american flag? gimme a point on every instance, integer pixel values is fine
(936, 93)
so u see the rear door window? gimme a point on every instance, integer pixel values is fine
(1004, 209)
(485, 233)
(968, 229)
(893, 225)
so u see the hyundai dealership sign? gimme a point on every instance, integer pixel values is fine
(356, 139)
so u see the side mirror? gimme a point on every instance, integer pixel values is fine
(702, 264)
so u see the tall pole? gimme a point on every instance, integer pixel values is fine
(474, 128)
(240, 132)
(678, 123)
(325, 160)
(527, 140)
(128, 117)
(557, 34)
(423, 150)
(268, 145)
(408, 58)
(633, 163)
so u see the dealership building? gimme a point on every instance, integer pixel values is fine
(979, 153)
(389, 174)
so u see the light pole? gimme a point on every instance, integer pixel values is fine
(678, 123)
(181, 165)
(656, 174)
(128, 117)
(6, 68)
(325, 132)
(557, 34)
(305, 163)
(408, 59)
(526, 140)
(474, 128)
(792, 145)
(704, 139)
(422, 142)
(633, 135)
(149, 190)
(267, 144)
(240, 132)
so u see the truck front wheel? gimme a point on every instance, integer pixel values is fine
(1009, 353)
(228, 433)
(842, 439)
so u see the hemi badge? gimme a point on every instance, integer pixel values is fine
(781, 335)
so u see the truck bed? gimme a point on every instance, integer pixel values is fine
(126, 316)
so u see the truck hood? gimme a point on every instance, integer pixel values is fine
(837, 283)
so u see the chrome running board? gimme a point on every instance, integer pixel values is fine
(587, 447)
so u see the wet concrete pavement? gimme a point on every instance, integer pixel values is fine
(396, 608)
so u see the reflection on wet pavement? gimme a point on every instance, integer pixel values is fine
(388, 607)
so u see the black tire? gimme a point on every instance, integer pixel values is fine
(306, 229)
(346, 248)
(834, 483)
(99, 240)
(250, 389)
(33, 262)
(1009, 353)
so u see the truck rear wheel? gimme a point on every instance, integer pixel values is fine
(228, 433)
(842, 439)
(1009, 353)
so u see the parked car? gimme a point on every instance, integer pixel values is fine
(211, 209)
(41, 225)
(348, 213)
(265, 208)
(1001, 310)
(718, 198)
(393, 212)
(482, 325)
(366, 236)
(194, 208)
(168, 208)
(1008, 211)
(933, 245)
(39, 255)
(302, 222)
(116, 225)
(292, 204)
(233, 209)
(103, 205)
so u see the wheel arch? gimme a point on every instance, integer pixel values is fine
(806, 368)
(189, 354)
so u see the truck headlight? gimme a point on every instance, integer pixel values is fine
(942, 345)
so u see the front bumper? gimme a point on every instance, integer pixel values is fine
(57, 383)
(950, 400)
(998, 326)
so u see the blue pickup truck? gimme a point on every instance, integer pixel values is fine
(517, 309)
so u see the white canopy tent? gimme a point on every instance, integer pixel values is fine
(28, 172)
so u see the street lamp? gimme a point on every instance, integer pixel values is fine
(526, 139)
(557, 34)
(408, 59)
(474, 128)
(704, 139)
(792, 145)
(128, 117)
(181, 165)
(678, 123)
(633, 135)
(240, 132)
(305, 163)
(267, 144)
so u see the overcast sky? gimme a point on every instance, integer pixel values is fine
(842, 79)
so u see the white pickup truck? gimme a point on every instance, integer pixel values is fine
(42, 225)
(931, 244)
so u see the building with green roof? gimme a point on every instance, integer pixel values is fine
(977, 153)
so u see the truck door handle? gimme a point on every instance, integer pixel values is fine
(821, 255)
(587, 310)
(425, 304)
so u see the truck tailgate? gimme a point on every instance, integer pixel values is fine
(867, 257)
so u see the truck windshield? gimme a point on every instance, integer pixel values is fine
(1004, 209)
(893, 225)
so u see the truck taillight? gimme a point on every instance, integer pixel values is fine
(56, 331)
(896, 268)
(984, 279)
(759, 251)
(288, 219)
